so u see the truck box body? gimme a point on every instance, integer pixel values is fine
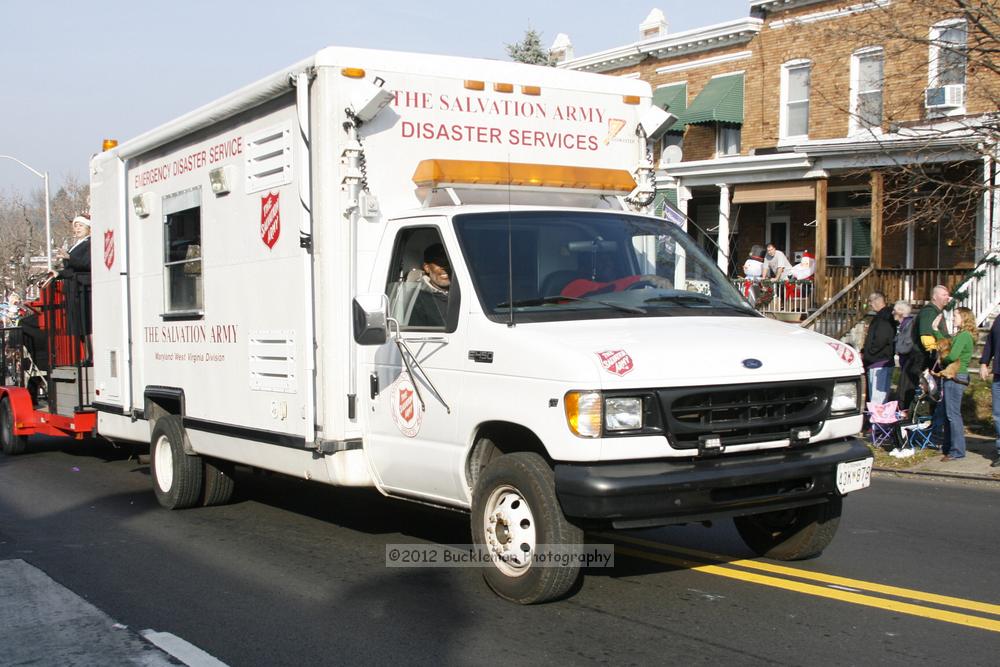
(267, 270)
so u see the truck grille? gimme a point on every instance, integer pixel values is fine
(744, 414)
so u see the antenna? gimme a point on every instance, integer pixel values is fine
(510, 255)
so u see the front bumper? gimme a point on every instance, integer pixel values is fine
(652, 493)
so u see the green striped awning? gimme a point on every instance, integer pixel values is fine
(674, 97)
(720, 101)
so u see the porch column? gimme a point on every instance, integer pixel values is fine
(680, 268)
(723, 258)
(819, 279)
(878, 188)
(991, 204)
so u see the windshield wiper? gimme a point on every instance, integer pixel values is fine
(685, 299)
(679, 298)
(556, 298)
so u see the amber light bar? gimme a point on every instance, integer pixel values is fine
(434, 173)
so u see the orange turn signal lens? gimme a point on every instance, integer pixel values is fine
(353, 72)
(584, 413)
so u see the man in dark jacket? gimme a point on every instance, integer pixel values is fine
(991, 352)
(879, 348)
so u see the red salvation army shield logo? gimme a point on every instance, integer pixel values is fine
(270, 219)
(403, 406)
(109, 248)
(616, 361)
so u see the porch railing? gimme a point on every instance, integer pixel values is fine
(785, 298)
(849, 305)
(981, 291)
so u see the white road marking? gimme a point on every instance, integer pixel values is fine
(185, 651)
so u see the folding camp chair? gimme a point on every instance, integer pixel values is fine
(883, 419)
(918, 430)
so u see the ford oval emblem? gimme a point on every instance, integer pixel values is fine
(752, 363)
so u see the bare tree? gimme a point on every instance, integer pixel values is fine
(960, 41)
(22, 231)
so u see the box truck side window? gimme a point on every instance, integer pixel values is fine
(182, 254)
(422, 291)
(581, 265)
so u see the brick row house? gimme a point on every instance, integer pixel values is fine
(852, 130)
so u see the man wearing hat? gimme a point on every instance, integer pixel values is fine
(431, 307)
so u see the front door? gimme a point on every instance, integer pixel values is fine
(413, 392)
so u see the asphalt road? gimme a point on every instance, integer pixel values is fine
(295, 573)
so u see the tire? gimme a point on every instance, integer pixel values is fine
(177, 477)
(515, 509)
(11, 444)
(218, 482)
(795, 534)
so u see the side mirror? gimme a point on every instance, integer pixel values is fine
(371, 325)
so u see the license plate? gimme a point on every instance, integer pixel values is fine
(854, 475)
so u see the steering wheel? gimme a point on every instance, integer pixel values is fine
(650, 281)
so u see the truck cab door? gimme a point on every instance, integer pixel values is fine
(415, 379)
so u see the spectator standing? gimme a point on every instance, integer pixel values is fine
(924, 350)
(991, 352)
(961, 350)
(879, 348)
(908, 382)
(776, 265)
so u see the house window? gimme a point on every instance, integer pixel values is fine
(866, 88)
(727, 140)
(795, 77)
(948, 54)
(182, 261)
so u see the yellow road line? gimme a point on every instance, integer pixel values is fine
(960, 603)
(819, 591)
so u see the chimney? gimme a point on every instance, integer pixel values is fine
(654, 26)
(561, 49)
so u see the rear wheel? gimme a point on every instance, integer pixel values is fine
(793, 534)
(219, 483)
(177, 477)
(515, 512)
(11, 444)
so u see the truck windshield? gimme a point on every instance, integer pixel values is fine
(583, 265)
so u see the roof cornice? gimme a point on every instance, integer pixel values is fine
(739, 31)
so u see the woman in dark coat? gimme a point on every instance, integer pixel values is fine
(75, 275)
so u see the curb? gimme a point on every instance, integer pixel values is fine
(931, 473)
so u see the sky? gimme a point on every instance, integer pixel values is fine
(73, 73)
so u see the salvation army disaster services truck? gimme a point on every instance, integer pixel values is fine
(433, 276)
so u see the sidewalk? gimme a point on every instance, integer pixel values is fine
(979, 454)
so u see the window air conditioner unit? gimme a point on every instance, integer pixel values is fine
(945, 97)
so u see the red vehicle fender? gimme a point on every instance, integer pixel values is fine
(25, 419)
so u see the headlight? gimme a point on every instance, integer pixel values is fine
(584, 413)
(845, 398)
(622, 414)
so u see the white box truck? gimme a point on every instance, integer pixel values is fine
(433, 276)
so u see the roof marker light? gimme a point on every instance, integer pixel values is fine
(472, 84)
(630, 99)
(353, 72)
(531, 90)
(503, 87)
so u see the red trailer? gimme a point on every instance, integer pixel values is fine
(46, 381)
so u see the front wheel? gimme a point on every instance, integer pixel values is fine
(515, 512)
(177, 477)
(794, 534)
(11, 444)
